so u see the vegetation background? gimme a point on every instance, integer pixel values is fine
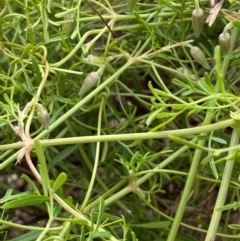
(119, 120)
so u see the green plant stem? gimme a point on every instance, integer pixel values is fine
(28, 227)
(197, 7)
(46, 229)
(118, 17)
(222, 194)
(186, 193)
(128, 137)
(189, 183)
(117, 137)
(4, 8)
(64, 230)
(96, 161)
(90, 44)
(139, 136)
(77, 47)
(77, 12)
(107, 194)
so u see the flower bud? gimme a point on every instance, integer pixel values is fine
(197, 21)
(199, 56)
(88, 83)
(186, 73)
(93, 60)
(43, 116)
(98, 61)
(67, 27)
(224, 42)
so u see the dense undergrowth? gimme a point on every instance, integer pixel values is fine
(123, 126)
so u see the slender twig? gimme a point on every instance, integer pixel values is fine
(104, 21)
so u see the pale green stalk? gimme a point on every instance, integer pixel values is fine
(186, 193)
(224, 187)
(96, 161)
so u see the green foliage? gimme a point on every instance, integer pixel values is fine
(122, 124)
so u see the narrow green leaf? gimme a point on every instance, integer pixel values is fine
(31, 183)
(101, 211)
(43, 167)
(6, 98)
(235, 63)
(29, 236)
(94, 216)
(134, 143)
(236, 23)
(213, 167)
(28, 84)
(161, 224)
(133, 236)
(188, 92)
(166, 114)
(26, 51)
(7, 196)
(30, 200)
(234, 226)
(157, 93)
(36, 69)
(62, 155)
(208, 81)
(82, 237)
(61, 179)
(28, 89)
(219, 140)
(131, 5)
(180, 83)
(183, 236)
(62, 14)
(142, 22)
(7, 152)
(153, 116)
(234, 206)
(203, 137)
(206, 160)
(105, 234)
(15, 61)
(188, 143)
(205, 87)
(4, 226)
(162, 124)
(105, 152)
